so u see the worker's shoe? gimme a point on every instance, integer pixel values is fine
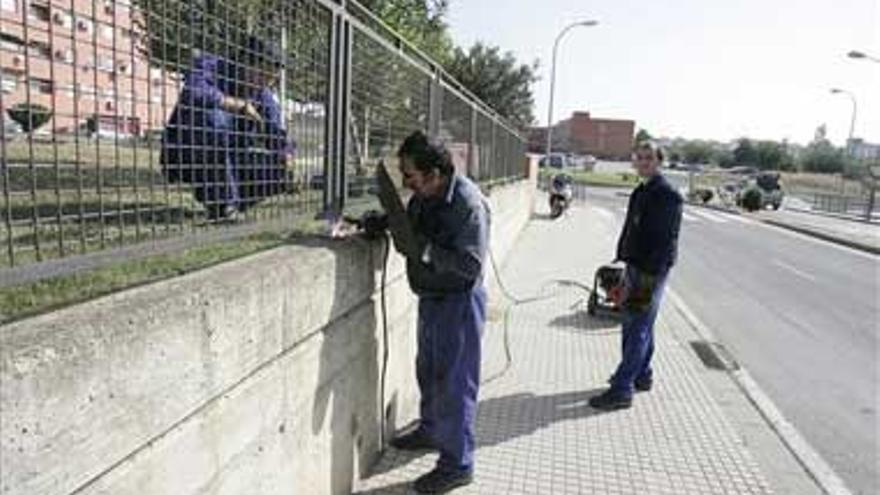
(610, 401)
(644, 384)
(416, 440)
(443, 481)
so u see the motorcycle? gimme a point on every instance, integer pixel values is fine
(560, 195)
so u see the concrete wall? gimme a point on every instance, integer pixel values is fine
(258, 376)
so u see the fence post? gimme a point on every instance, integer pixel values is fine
(435, 105)
(338, 112)
(472, 145)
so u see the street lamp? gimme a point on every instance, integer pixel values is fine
(852, 125)
(857, 54)
(553, 80)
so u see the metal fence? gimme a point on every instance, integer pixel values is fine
(130, 122)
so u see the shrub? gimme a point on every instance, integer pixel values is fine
(29, 116)
(752, 199)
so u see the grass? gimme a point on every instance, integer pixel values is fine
(24, 300)
(598, 179)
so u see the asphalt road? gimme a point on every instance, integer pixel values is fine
(800, 315)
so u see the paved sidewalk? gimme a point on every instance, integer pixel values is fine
(537, 434)
(859, 235)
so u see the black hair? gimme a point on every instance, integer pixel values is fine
(652, 147)
(427, 155)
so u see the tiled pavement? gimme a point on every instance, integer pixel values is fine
(537, 434)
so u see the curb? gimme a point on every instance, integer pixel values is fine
(810, 460)
(825, 237)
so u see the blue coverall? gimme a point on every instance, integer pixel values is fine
(452, 313)
(649, 246)
(230, 160)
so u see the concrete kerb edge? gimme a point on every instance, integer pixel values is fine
(825, 237)
(810, 460)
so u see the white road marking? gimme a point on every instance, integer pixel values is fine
(796, 271)
(690, 218)
(712, 217)
(604, 213)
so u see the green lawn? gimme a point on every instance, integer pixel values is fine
(598, 179)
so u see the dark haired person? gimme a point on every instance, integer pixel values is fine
(445, 269)
(649, 247)
(225, 135)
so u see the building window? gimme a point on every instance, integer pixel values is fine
(10, 5)
(39, 12)
(105, 64)
(63, 19)
(85, 25)
(8, 81)
(41, 49)
(40, 85)
(64, 55)
(10, 43)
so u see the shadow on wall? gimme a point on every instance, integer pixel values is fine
(346, 400)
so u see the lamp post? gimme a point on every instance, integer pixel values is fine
(553, 80)
(863, 55)
(852, 124)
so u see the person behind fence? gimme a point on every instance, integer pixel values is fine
(225, 136)
(649, 247)
(445, 268)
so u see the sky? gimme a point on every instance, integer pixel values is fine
(699, 69)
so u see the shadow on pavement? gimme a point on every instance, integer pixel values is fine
(581, 320)
(512, 416)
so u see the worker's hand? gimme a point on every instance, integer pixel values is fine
(617, 295)
(251, 112)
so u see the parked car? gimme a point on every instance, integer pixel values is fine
(556, 160)
(768, 186)
(11, 127)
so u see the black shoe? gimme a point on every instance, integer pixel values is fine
(610, 401)
(417, 440)
(443, 481)
(644, 385)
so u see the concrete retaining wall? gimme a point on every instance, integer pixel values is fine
(258, 376)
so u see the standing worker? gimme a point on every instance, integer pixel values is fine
(649, 247)
(445, 264)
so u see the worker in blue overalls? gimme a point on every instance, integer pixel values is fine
(225, 136)
(450, 218)
(649, 247)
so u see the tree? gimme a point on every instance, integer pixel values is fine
(643, 136)
(420, 22)
(745, 154)
(822, 157)
(29, 116)
(697, 152)
(499, 80)
(771, 155)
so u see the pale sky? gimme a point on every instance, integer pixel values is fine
(717, 69)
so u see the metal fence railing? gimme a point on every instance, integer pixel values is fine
(141, 120)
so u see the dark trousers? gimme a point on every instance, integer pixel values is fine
(448, 372)
(637, 338)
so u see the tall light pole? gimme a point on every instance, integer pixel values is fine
(553, 81)
(852, 124)
(863, 55)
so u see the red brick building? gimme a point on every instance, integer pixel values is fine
(584, 135)
(81, 58)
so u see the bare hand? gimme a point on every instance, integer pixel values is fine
(251, 112)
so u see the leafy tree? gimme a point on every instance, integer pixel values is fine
(29, 116)
(771, 155)
(822, 157)
(643, 136)
(497, 79)
(745, 154)
(421, 22)
(724, 159)
(697, 152)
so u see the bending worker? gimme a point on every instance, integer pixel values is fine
(445, 264)
(649, 247)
